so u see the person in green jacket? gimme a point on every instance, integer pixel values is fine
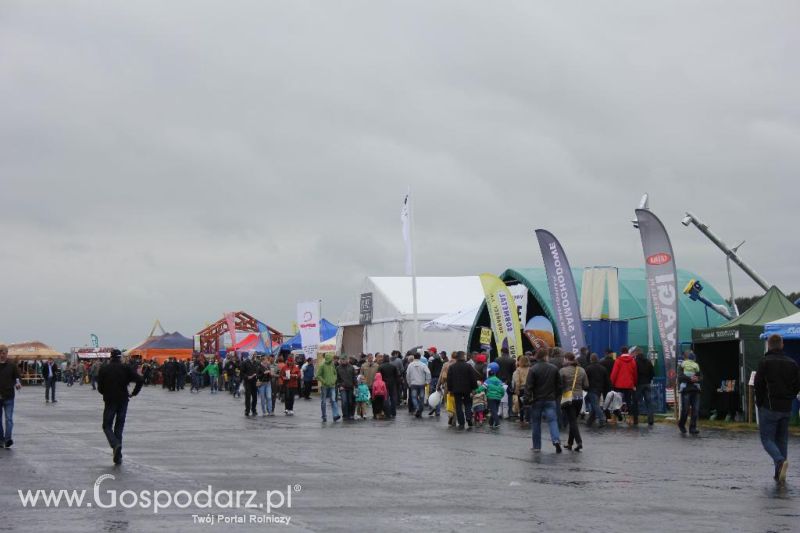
(212, 369)
(326, 377)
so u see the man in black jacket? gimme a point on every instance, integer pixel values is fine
(645, 373)
(112, 383)
(249, 374)
(391, 376)
(599, 384)
(542, 389)
(777, 383)
(507, 367)
(346, 380)
(50, 376)
(9, 384)
(461, 381)
(435, 365)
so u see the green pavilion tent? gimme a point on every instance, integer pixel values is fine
(632, 304)
(731, 351)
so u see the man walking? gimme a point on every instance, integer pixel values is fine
(777, 383)
(307, 372)
(461, 381)
(418, 375)
(689, 381)
(9, 384)
(49, 372)
(644, 380)
(326, 377)
(249, 372)
(599, 384)
(542, 388)
(346, 380)
(112, 382)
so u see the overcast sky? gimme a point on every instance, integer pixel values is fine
(175, 160)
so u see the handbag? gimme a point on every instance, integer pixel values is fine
(566, 396)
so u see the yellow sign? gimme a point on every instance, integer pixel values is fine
(486, 336)
(504, 315)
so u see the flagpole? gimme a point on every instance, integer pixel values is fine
(413, 269)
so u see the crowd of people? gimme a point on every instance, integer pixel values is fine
(562, 389)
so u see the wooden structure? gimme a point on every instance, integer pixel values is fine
(210, 335)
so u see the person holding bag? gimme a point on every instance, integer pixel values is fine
(574, 381)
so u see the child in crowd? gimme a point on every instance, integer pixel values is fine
(479, 404)
(690, 369)
(495, 393)
(237, 380)
(362, 398)
(613, 404)
(379, 394)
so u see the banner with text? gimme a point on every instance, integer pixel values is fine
(662, 286)
(563, 293)
(503, 312)
(308, 322)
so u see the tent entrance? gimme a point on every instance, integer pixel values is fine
(719, 361)
(353, 339)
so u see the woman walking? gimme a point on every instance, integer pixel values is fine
(573, 382)
(518, 380)
(264, 382)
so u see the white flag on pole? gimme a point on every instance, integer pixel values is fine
(405, 217)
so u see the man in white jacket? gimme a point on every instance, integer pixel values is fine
(417, 376)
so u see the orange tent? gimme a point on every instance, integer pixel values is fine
(161, 347)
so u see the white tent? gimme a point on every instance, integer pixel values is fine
(459, 321)
(392, 322)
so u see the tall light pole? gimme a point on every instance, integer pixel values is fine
(731, 253)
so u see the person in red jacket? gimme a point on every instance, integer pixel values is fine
(291, 379)
(624, 377)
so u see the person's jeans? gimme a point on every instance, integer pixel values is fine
(689, 400)
(50, 389)
(348, 402)
(417, 397)
(7, 409)
(494, 409)
(392, 401)
(214, 384)
(595, 409)
(774, 429)
(328, 393)
(265, 394)
(644, 394)
(630, 399)
(250, 396)
(307, 389)
(463, 408)
(114, 417)
(434, 384)
(548, 409)
(93, 380)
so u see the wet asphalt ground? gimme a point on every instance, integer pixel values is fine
(400, 475)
